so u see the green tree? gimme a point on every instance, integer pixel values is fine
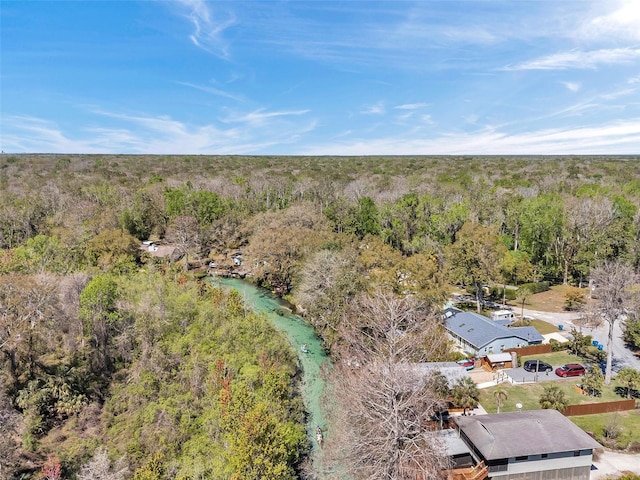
(501, 395)
(474, 258)
(553, 398)
(522, 294)
(366, 218)
(593, 380)
(465, 394)
(114, 250)
(632, 330)
(516, 267)
(630, 379)
(43, 253)
(541, 224)
(101, 318)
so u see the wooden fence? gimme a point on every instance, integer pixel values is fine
(604, 407)
(531, 350)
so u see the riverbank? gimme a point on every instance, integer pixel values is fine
(313, 363)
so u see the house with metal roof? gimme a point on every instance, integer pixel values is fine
(529, 445)
(478, 335)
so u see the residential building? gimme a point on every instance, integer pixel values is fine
(479, 336)
(529, 445)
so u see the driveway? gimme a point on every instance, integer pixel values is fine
(613, 464)
(520, 375)
(623, 357)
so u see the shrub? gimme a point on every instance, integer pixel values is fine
(498, 293)
(612, 429)
(556, 346)
(573, 299)
(536, 287)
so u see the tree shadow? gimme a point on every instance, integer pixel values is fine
(622, 391)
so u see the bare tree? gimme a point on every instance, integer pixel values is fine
(100, 467)
(382, 400)
(613, 281)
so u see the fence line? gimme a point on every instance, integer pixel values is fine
(604, 407)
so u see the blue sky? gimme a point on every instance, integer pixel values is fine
(320, 78)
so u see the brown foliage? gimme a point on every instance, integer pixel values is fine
(382, 403)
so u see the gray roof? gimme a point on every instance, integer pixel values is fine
(532, 432)
(451, 370)
(529, 333)
(479, 330)
(453, 444)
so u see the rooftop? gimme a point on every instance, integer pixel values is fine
(479, 330)
(515, 434)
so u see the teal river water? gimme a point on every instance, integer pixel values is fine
(297, 332)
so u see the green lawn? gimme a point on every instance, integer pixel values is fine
(629, 422)
(554, 358)
(528, 395)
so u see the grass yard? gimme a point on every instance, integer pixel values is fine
(550, 301)
(561, 357)
(628, 424)
(528, 395)
(543, 327)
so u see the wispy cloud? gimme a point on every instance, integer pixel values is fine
(140, 134)
(258, 117)
(621, 137)
(579, 59)
(376, 109)
(212, 91)
(207, 27)
(21, 133)
(411, 106)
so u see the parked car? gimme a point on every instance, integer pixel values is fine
(537, 366)
(468, 363)
(570, 370)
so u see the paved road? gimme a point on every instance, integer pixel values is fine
(623, 357)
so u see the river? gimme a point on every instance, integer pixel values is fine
(298, 332)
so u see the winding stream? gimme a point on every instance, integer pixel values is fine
(298, 333)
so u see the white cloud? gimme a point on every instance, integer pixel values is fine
(377, 109)
(622, 137)
(577, 59)
(143, 134)
(572, 86)
(620, 23)
(411, 106)
(259, 116)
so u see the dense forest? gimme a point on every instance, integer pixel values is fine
(133, 365)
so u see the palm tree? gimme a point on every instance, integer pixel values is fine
(630, 378)
(466, 394)
(501, 395)
(553, 398)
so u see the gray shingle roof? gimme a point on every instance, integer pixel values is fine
(515, 434)
(451, 370)
(480, 331)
